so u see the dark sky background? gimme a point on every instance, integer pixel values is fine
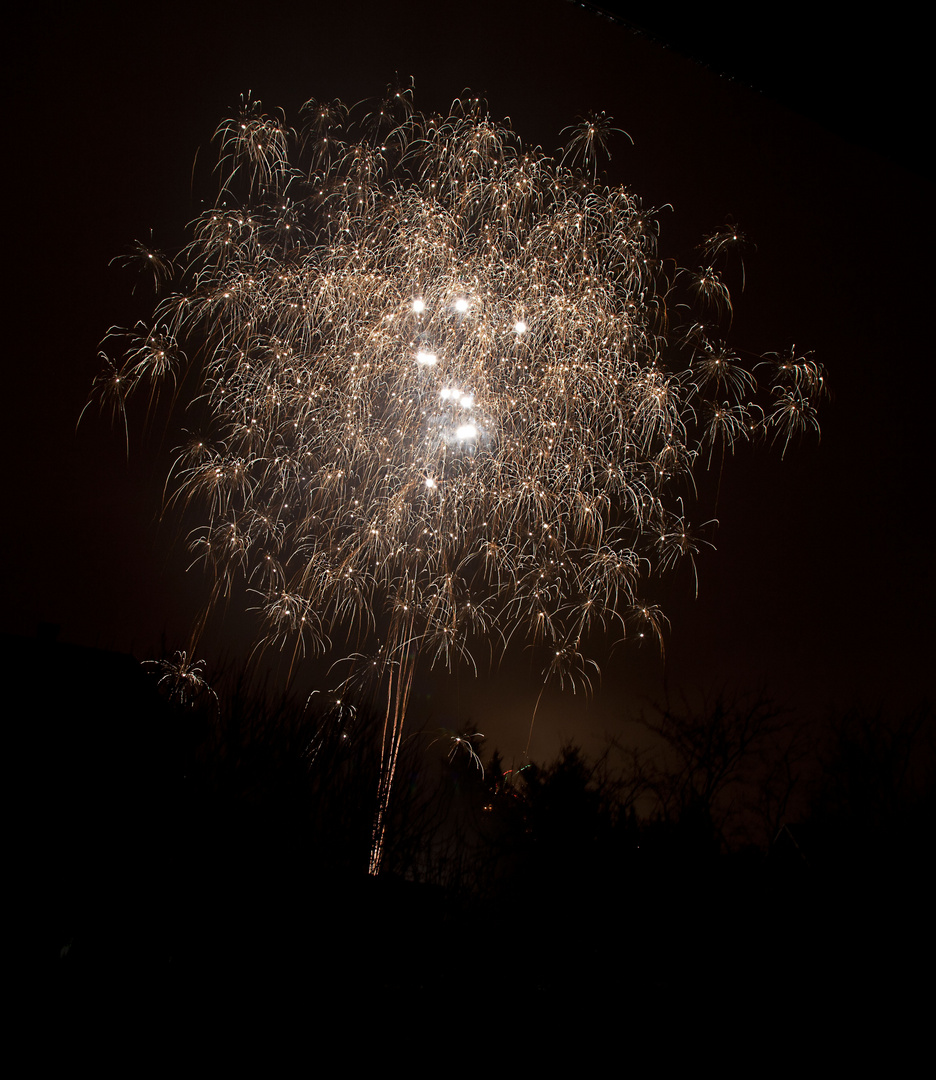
(821, 587)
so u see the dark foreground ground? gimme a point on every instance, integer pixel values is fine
(150, 895)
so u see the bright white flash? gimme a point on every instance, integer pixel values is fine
(461, 305)
(427, 359)
(466, 431)
(419, 306)
(520, 327)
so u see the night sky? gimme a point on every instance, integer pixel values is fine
(821, 586)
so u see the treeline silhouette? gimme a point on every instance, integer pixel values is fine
(729, 852)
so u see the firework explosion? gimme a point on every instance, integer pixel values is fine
(440, 412)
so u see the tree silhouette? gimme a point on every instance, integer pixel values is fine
(726, 770)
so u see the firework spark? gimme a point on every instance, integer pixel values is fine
(441, 412)
(461, 743)
(182, 679)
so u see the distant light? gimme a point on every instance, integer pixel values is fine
(461, 305)
(466, 431)
(520, 327)
(419, 306)
(466, 401)
(449, 393)
(427, 359)
(430, 483)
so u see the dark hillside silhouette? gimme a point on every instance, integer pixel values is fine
(217, 848)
